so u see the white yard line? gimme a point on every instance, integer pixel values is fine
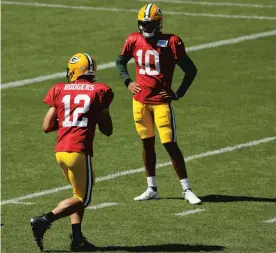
(136, 10)
(102, 205)
(112, 64)
(217, 4)
(129, 172)
(24, 203)
(271, 221)
(195, 14)
(185, 213)
(49, 77)
(232, 41)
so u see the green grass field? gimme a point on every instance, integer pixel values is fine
(231, 102)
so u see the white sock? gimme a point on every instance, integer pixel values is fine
(185, 183)
(151, 181)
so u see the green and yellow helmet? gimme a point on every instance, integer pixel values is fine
(150, 20)
(81, 64)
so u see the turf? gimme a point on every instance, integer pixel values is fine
(232, 101)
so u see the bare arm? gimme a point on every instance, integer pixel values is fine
(50, 122)
(105, 122)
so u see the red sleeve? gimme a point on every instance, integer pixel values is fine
(177, 46)
(51, 97)
(106, 98)
(128, 47)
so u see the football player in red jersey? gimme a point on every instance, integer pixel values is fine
(156, 54)
(76, 108)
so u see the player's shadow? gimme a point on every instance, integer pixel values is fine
(227, 198)
(157, 248)
(170, 198)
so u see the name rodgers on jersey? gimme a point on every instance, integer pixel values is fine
(79, 86)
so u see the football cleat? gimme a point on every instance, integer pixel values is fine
(81, 64)
(81, 244)
(39, 226)
(150, 20)
(189, 196)
(149, 194)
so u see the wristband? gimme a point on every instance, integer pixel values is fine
(127, 81)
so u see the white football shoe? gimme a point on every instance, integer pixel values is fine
(189, 196)
(149, 194)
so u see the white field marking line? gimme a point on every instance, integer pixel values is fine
(23, 203)
(49, 77)
(112, 64)
(217, 4)
(221, 15)
(102, 205)
(136, 11)
(185, 213)
(133, 171)
(232, 41)
(270, 221)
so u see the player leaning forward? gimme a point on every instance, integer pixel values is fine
(79, 106)
(156, 54)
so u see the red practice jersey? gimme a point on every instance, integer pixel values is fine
(78, 107)
(155, 63)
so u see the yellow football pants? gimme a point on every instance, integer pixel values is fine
(77, 168)
(161, 115)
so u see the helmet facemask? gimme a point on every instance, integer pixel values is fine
(69, 75)
(150, 29)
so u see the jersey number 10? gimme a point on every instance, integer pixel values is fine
(147, 56)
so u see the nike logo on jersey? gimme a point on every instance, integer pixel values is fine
(179, 42)
(162, 43)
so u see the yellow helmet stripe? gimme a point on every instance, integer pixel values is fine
(90, 60)
(147, 10)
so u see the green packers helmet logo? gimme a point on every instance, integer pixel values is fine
(159, 11)
(74, 59)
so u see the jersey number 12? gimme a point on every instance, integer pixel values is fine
(79, 110)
